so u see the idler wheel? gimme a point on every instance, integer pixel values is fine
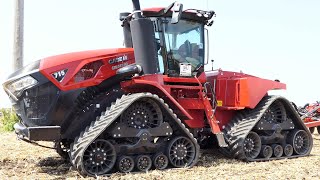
(252, 145)
(181, 151)
(300, 141)
(99, 158)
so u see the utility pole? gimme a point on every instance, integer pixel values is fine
(18, 35)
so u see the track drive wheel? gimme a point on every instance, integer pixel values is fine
(181, 152)
(160, 161)
(99, 158)
(252, 145)
(143, 114)
(300, 141)
(125, 164)
(276, 113)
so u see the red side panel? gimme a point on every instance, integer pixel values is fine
(238, 90)
(112, 59)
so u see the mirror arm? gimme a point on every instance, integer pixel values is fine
(176, 14)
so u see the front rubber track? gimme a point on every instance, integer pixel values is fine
(101, 124)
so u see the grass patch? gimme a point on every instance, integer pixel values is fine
(8, 118)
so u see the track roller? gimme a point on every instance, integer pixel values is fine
(125, 164)
(288, 150)
(266, 151)
(160, 161)
(277, 150)
(143, 163)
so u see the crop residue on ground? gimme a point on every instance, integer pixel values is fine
(21, 160)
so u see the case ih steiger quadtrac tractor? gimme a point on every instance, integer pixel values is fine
(151, 104)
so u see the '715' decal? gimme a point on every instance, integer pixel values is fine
(59, 75)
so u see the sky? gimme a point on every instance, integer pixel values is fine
(274, 39)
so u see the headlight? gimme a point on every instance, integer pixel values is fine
(18, 86)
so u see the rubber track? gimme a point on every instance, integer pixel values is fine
(242, 124)
(97, 127)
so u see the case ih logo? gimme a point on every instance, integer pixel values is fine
(118, 59)
(59, 75)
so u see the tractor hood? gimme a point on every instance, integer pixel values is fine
(73, 70)
(86, 68)
(60, 60)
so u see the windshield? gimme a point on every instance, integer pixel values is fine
(184, 44)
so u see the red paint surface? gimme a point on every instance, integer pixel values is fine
(75, 61)
(185, 95)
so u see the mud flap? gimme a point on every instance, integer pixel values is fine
(221, 140)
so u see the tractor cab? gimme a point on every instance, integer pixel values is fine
(181, 47)
(179, 37)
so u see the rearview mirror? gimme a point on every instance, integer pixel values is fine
(176, 13)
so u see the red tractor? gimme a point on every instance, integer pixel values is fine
(151, 104)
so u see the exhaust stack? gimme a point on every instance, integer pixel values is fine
(143, 40)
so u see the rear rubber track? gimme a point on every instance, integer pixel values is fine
(237, 130)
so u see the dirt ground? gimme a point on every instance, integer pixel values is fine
(21, 160)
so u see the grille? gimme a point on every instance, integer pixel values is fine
(38, 101)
